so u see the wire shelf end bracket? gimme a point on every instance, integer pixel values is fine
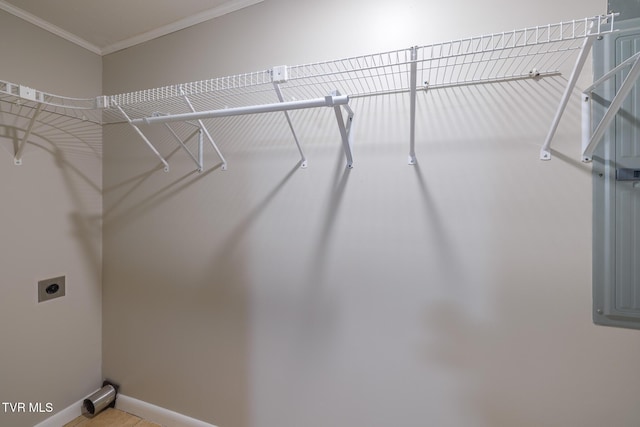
(593, 31)
(591, 140)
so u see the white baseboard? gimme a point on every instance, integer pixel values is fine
(145, 410)
(156, 414)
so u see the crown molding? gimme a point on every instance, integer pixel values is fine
(47, 26)
(223, 9)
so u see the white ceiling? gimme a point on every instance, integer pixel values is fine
(108, 26)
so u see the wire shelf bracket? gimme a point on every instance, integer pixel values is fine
(144, 138)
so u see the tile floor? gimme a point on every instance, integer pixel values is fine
(111, 418)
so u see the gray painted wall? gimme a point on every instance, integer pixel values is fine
(49, 226)
(453, 293)
(267, 295)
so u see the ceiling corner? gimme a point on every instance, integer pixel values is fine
(47, 26)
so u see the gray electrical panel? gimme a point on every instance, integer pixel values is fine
(616, 189)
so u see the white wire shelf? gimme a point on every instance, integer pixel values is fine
(494, 57)
(515, 54)
(530, 52)
(28, 98)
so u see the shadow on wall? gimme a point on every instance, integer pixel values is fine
(336, 194)
(510, 112)
(76, 148)
(234, 136)
(197, 250)
(151, 221)
(183, 235)
(519, 336)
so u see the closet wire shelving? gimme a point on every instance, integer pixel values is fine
(534, 52)
(41, 107)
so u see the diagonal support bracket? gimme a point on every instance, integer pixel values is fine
(303, 159)
(205, 131)
(198, 131)
(345, 128)
(17, 159)
(545, 151)
(589, 142)
(144, 138)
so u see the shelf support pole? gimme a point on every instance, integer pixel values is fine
(303, 159)
(545, 151)
(613, 109)
(17, 159)
(144, 138)
(345, 129)
(412, 105)
(206, 131)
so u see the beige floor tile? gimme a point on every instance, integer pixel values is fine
(145, 423)
(109, 418)
(75, 422)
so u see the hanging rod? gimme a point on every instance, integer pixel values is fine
(335, 100)
(327, 101)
